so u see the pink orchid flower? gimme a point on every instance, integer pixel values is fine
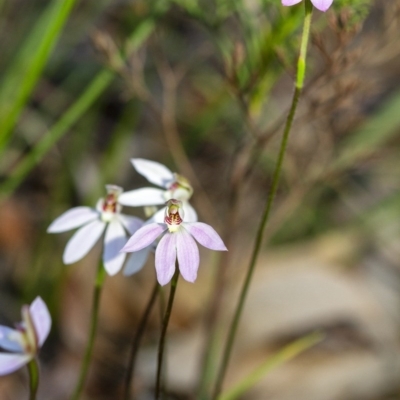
(23, 343)
(321, 5)
(92, 223)
(177, 243)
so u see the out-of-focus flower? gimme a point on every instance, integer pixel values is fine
(322, 5)
(93, 222)
(174, 186)
(177, 243)
(24, 342)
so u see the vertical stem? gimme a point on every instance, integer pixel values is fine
(100, 277)
(136, 342)
(301, 67)
(161, 345)
(33, 369)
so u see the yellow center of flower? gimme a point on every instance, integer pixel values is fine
(109, 206)
(173, 215)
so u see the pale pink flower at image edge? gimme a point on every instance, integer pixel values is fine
(322, 5)
(24, 342)
(176, 244)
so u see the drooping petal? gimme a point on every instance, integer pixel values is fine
(11, 339)
(205, 235)
(136, 261)
(153, 171)
(165, 258)
(72, 219)
(114, 240)
(190, 212)
(290, 2)
(142, 197)
(144, 237)
(82, 241)
(41, 319)
(322, 5)
(131, 224)
(188, 255)
(11, 362)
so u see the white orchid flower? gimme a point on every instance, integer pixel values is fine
(176, 244)
(174, 186)
(23, 343)
(93, 222)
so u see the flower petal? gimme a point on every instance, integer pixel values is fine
(144, 237)
(72, 219)
(205, 235)
(190, 213)
(188, 255)
(165, 258)
(82, 241)
(142, 197)
(131, 224)
(159, 216)
(153, 171)
(290, 2)
(322, 5)
(11, 339)
(136, 261)
(11, 362)
(41, 319)
(114, 240)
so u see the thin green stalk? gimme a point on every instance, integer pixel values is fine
(161, 345)
(33, 369)
(100, 277)
(301, 67)
(136, 342)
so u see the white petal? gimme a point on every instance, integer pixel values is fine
(114, 241)
(11, 362)
(11, 339)
(188, 255)
(41, 319)
(136, 261)
(142, 197)
(190, 213)
(131, 224)
(153, 171)
(72, 219)
(159, 216)
(82, 241)
(165, 258)
(205, 235)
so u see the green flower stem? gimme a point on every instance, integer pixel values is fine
(161, 345)
(301, 67)
(33, 369)
(100, 277)
(136, 342)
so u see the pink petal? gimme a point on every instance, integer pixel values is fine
(131, 224)
(142, 197)
(165, 258)
(41, 319)
(290, 2)
(11, 362)
(72, 219)
(322, 5)
(11, 339)
(144, 237)
(188, 255)
(114, 240)
(153, 171)
(205, 235)
(82, 241)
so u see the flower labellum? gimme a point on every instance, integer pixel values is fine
(177, 243)
(321, 5)
(174, 186)
(92, 223)
(23, 343)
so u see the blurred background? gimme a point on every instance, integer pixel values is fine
(204, 87)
